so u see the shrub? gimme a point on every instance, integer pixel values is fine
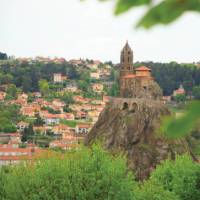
(181, 177)
(86, 174)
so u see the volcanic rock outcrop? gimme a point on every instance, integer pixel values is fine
(132, 127)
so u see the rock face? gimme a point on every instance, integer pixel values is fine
(130, 125)
(150, 91)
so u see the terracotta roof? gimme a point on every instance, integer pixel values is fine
(9, 134)
(10, 158)
(149, 77)
(129, 76)
(142, 68)
(14, 150)
(83, 125)
(180, 91)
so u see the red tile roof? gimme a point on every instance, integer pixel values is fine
(9, 135)
(142, 68)
(129, 76)
(83, 125)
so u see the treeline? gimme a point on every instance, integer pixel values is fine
(170, 75)
(92, 173)
(3, 56)
(27, 76)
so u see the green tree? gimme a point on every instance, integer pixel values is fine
(149, 191)
(6, 125)
(83, 85)
(67, 97)
(11, 91)
(180, 98)
(44, 87)
(181, 177)
(28, 134)
(196, 92)
(114, 76)
(67, 109)
(6, 78)
(39, 121)
(3, 56)
(114, 90)
(26, 84)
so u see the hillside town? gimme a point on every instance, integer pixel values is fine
(63, 110)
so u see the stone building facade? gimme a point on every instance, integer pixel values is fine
(136, 82)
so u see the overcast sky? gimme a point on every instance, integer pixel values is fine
(74, 29)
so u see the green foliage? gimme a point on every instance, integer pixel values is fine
(30, 98)
(83, 85)
(159, 14)
(92, 173)
(11, 91)
(9, 115)
(22, 145)
(125, 5)
(51, 110)
(114, 90)
(183, 125)
(86, 174)
(196, 92)
(27, 75)
(158, 11)
(67, 109)
(6, 78)
(149, 191)
(3, 56)
(180, 98)
(28, 134)
(181, 177)
(39, 121)
(114, 75)
(44, 87)
(67, 97)
(71, 123)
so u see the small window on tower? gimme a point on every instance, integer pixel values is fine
(128, 59)
(129, 52)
